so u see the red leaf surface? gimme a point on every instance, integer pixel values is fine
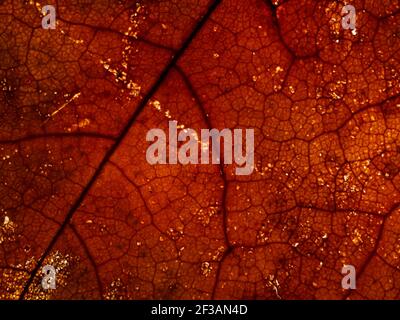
(76, 191)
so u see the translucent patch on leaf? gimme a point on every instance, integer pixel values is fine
(81, 124)
(121, 71)
(121, 76)
(206, 268)
(115, 291)
(273, 283)
(135, 21)
(7, 230)
(157, 105)
(204, 215)
(65, 104)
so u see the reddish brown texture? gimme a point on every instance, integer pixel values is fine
(76, 190)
